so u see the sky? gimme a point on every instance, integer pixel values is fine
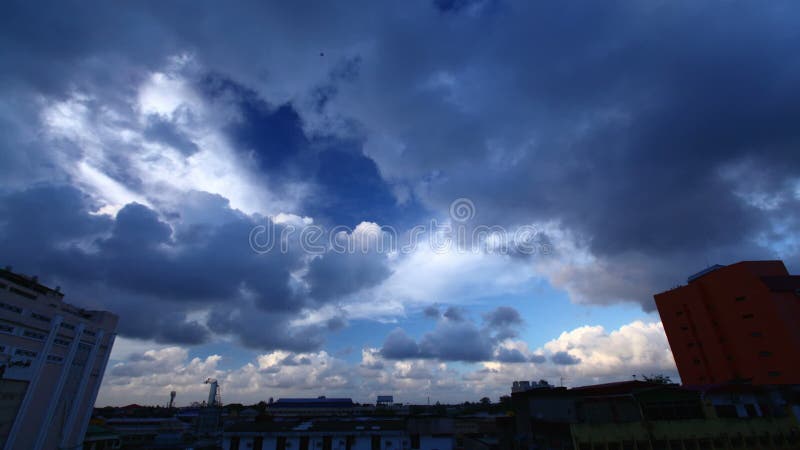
(425, 199)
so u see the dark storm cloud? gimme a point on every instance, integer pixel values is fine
(139, 364)
(537, 358)
(399, 345)
(169, 326)
(454, 313)
(513, 355)
(503, 316)
(337, 274)
(270, 135)
(348, 187)
(457, 339)
(564, 359)
(160, 129)
(136, 263)
(623, 122)
(431, 312)
(652, 133)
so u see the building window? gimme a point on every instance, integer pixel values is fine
(691, 344)
(684, 328)
(23, 293)
(67, 326)
(41, 317)
(748, 316)
(34, 335)
(6, 328)
(59, 341)
(679, 313)
(11, 308)
(22, 352)
(55, 359)
(764, 353)
(741, 299)
(757, 334)
(774, 373)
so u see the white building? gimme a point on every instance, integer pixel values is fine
(52, 359)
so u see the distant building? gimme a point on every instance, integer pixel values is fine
(384, 400)
(52, 359)
(315, 407)
(150, 432)
(522, 386)
(341, 434)
(737, 322)
(100, 438)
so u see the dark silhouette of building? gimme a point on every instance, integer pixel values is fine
(638, 415)
(735, 323)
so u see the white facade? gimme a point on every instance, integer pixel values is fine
(52, 357)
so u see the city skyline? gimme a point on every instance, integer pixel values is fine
(429, 199)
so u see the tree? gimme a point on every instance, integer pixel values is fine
(485, 401)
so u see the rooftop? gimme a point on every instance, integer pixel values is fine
(319, 425)
(29, 282)
(705, 271)
(321, 402)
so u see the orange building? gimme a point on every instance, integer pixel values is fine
(737, 322)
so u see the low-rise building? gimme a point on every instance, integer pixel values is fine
(150, 432)
(318, 435)
(99, 437)
(335, 433)
(639, 415)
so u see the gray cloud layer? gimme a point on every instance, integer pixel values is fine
(456, 338)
